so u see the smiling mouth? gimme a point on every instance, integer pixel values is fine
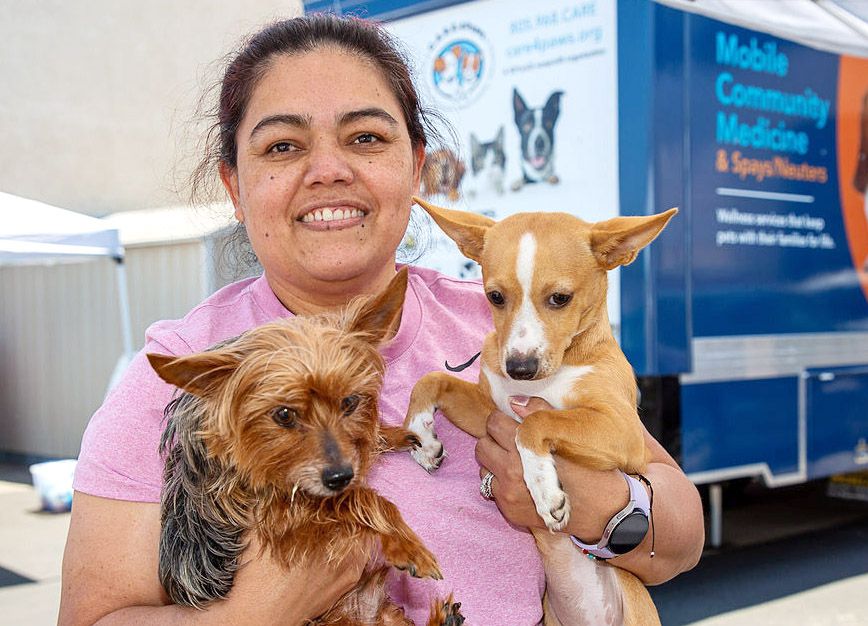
(329, 215)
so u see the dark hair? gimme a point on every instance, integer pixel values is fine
(297, 36)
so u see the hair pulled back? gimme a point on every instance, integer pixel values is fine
(297, 36)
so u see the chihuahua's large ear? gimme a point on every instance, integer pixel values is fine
(379, 315)
(466, 229)
(200, 374)
(617, 241)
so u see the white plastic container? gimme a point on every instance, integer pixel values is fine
(53, 483)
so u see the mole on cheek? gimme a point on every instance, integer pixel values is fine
(266, 234)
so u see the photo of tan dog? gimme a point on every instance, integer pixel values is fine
(273, 438)
(546, 282)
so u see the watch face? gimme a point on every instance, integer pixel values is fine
(629, 533)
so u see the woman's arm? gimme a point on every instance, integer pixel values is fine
(110, 575)
(595, 496)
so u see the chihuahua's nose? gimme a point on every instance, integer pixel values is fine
(336, 478)
(524, 368)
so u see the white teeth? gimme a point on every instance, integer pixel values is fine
(327, 215)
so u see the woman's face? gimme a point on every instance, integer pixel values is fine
(325, 173)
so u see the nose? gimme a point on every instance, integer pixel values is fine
(522, 368)
(337, 478)
(327, 165)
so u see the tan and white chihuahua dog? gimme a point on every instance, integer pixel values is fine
(545, 278)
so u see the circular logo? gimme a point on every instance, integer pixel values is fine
(460, 64)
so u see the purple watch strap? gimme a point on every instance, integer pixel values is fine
(638, 501)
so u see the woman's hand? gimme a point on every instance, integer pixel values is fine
(595, 496)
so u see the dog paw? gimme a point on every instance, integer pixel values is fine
(541, 478)
(429, 453)
(397, 438)
(446, 613)
(410, 556)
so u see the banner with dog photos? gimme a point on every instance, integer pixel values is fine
(530, 89)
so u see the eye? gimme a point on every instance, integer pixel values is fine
(282, 146)
(350, 403)
(496, 298)
(366, 138)
(284, 416)
(558, 300)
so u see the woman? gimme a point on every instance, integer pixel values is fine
(321, 146)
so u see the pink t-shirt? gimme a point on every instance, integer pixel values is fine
(493, 569)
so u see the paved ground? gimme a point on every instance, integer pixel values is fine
(791, 558)
(31, 547)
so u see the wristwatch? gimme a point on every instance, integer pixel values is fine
(627, 528)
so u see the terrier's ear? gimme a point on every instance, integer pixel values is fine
(617, 241)
(379, 316)
(463, 227)
(200, 374)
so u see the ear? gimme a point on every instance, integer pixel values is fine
(200, 374)
(518, 105)
(463, 227)
(229, 178)
(379, 315)
(617, 241)
(553, 106)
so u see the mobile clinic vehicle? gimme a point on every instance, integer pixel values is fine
(747, 319)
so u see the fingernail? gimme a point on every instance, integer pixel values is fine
(519, 400)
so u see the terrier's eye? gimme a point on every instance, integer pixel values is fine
(350, 403)
(496, 298)
(284, 416)
(558, 300)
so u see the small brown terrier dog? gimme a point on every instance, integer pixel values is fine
(273, 440)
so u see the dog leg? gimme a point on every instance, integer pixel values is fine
(541, 478)
(401, 547)
(577, 434)
(594, 438)
(579, 591)
(462, 403)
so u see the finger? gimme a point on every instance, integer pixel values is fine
(524, 406)
(501, 428)
(491, 456)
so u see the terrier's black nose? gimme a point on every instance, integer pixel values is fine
(522, 369)
(336, 478)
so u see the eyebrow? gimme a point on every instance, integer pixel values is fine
(304, 121)
(286, 119)
(375, 112)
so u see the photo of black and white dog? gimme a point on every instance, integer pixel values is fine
(536, 127)
(487, 165)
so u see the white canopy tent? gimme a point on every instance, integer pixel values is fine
(34, 232)
(837, 26)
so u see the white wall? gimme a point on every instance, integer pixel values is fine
(95, 102)
(97, 95)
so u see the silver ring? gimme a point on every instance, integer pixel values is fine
(485, 486)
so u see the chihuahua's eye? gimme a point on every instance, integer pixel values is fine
(349, 404)
(496, 298)
(558, 300)
(284, 416)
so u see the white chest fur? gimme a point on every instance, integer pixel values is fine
(553, 389)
